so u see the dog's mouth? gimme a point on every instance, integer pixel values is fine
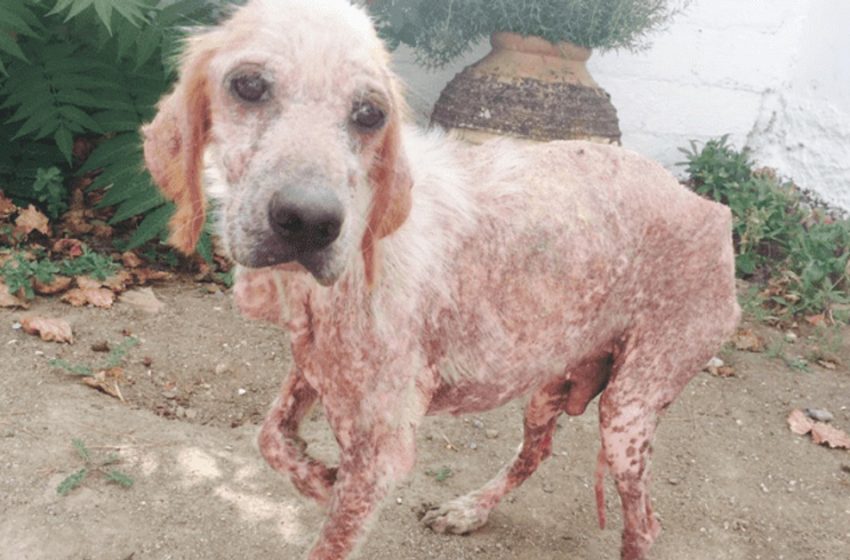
(271, 253)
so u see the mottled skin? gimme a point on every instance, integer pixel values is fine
(463, 276)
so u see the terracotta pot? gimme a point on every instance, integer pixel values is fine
(529, 88)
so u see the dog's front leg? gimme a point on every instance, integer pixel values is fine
(372, 460)
(284, 449)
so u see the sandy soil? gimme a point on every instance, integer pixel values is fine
(731, 481)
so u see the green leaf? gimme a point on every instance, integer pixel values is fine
(154, 225)
(65, 142)
(71, 482)
(104, 12)
(82, 450)
(140, 203)
(15, 22)
(119, 478)
(9, 45)
(75, 115)
(77, 6)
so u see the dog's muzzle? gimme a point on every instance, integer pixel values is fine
(302, 224)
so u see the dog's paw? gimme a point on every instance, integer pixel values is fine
(460, 516)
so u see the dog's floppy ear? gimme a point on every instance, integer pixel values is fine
(391, 185)
(174, 147)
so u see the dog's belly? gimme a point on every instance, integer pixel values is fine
(475, 396)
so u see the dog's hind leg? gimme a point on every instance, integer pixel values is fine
(468, 513)
(284, 449)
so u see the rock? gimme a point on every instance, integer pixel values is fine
(819, 414)
(715, 362)
(221, 369)
(491, 434)
(477, 423)
(790, 337)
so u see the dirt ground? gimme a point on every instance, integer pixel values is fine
(731, 481)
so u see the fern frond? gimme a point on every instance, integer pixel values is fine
(131, 10)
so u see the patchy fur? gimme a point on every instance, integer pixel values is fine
(462, 277)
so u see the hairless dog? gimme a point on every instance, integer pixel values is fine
(419, 275)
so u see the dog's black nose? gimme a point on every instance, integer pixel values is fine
(306, 219)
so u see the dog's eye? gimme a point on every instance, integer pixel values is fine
(367, 115)
(250, 87)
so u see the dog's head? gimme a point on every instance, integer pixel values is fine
(294, 104)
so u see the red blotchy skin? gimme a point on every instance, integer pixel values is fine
(615, 304)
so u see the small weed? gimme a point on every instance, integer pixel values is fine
(440, 475)
(50, 192)
(776, 351)
(19, 271)
(224, 278)
(93, 465)
(89, 263)
(113, 359)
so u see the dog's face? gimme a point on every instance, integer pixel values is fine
(295, 106)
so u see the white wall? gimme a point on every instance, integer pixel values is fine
(775, 74)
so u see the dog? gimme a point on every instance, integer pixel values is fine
(419, 275)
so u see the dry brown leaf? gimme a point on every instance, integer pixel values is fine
(118, 282)
(7, 207)
(88, 283)
(143, 299)
(32, 219)
(59, 284)
(10, 300)
(827, 364)
(131, 259)
(74, 222)
(830, 435)
(748, 341)
(98, 297)
(106, 381)
(799, 422)
(822, 433)
(49, 329)
(816, 320)
(725, 371)
(68, 246)
(101, 229)
(145, 275)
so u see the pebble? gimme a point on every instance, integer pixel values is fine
(477, 423)
(491, 434)
(191, 414)
(16, 326)
(790, 337)
(472, 445)
(715, 362)
(221, 369)
(241, 391)
(180, 412)
(819, 414)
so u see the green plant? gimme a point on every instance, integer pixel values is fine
(102, 466)
(440, 30)
(49, 191)
(21, 269)
(440, 475)
(91, 71)
(800, 254)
